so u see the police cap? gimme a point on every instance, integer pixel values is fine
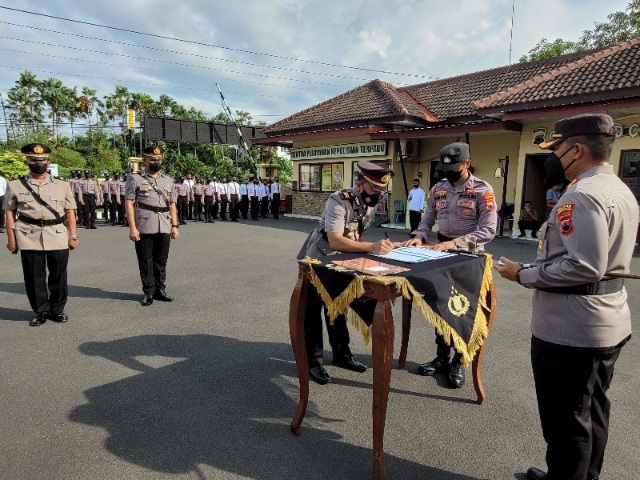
(578, 125)
(376, 175)
(452, 155)
(36, 150)
(152, 151)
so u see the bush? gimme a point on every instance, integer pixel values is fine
(12, 164)
(65, 157)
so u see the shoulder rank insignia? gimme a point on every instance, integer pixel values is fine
(346, 194)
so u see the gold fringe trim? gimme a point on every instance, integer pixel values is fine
(480, 332)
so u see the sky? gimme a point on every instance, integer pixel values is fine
(274, 58)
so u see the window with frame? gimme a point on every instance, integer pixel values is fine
(321, 177)
(630, 170)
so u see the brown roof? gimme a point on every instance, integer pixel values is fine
(606, 74)
(593, 76)
(373, 102)
(453, 97)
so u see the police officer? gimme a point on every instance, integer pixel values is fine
(189, 182)
(263, 193)
(181, 194)
(276, 188)
(198, 192)
(123, 203)
(465, 208)
(216, 203)
(580, 319)
(37, 207)
(209, 197)
(347, 214)
(106, 196)
(87, 198)
(76, 196)
(223, 198)
(153, 222)
(114, 194)
(233, 192)
(254, 192)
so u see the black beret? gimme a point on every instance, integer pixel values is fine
(453, 155)
(586, 124)
(35, 149)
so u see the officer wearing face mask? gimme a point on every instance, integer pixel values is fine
(41, 225)
(347, 214)
(580, 316)
(153, 223)
(463, 205)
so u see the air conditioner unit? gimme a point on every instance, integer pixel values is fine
(410, 149)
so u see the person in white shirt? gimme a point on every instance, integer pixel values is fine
(254, 197)
(233, 192)
(244, 198)
(216, 203)
(3, 190)
(223, 198)
(275, 198)
(416, 204)
(190, 182)
(263, 193)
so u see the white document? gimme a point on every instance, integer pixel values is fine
(414, 254)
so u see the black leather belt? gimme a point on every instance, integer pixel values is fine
(142, 206)
(443, 238)
(610, 285)
(41, 221)
(88, 194)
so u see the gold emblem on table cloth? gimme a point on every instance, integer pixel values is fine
(458, 304)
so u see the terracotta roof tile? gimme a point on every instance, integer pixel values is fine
(608, 73)
(451, 98)
(371, 102)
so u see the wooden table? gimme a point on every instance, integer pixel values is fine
(382, 333)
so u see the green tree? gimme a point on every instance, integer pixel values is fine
(12, 164)
(620, 27)
(88, 102)
(165, 103)
(67, 157)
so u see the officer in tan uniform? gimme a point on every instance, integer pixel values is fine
(580, 319)
(465, 208)
(105, 188)
(347, 214)
(87, 198)
(153, 223)
(36, 207)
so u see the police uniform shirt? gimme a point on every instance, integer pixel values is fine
(105, 187)
(592, 230)
(464, 209)
(343, 213)
(53, 191)
(209, 190)
(87, 186)
(140, 187)
(198, 189)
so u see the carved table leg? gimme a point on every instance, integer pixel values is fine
(475, 367)
(297, 309)
(382, 330)
(406, 329)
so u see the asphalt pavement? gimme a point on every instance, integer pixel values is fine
(205, 387)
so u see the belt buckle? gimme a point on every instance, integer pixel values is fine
(42, 224)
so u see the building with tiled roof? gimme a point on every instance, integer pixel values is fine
(502, 113)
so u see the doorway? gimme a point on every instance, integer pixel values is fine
(534, 188)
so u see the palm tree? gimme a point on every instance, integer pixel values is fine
(54, 95)
(88, 101)
(166, 104)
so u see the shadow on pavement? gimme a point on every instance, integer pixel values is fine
(202, 400)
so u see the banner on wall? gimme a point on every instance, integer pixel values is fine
(367, 149)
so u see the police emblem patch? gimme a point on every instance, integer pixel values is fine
(38, 149)
(156, 151)
(489, 201)
(565, 218)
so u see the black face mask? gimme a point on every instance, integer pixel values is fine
(553, 168)
(453, 176)
(38, 167)
(155, 166)
(415, 185)
(368, 199)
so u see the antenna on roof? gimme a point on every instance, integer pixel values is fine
(226, 108)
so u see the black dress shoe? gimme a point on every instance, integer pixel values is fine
(319, 375)
(438, 364)
(38, 320)
(162, 296)
(147, 300)
(456, 375)
(535, 474)
(59, 317)
(350, 363)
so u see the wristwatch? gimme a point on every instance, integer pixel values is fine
(175, 226)
(75, 237)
